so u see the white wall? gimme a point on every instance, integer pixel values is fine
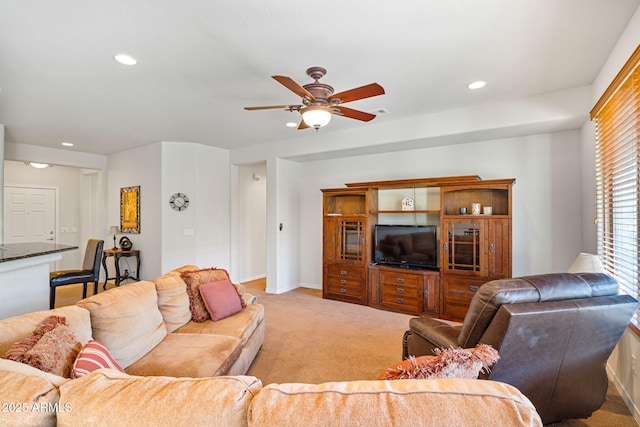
(200, 234)
(547, 226)
(140, 166)
(283, 225)
(619, 364)
(250, 222)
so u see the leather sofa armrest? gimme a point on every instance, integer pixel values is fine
(439, 333)
(426, 334)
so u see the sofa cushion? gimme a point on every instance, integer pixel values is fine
(21, 368)
(17, 328)
(109, 398)
(194, 279)
(240, 325)
(127, 320)
(93, 356)
(27, 400)
(221, 299)
(173, 300)
(189, 355)
(449, 401)
(51, 347)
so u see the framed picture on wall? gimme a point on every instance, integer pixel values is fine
(130, 210)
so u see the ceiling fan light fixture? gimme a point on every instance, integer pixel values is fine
(316, 116)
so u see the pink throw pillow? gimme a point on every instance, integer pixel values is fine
(220, 298)
(193, 280)
(93, 356)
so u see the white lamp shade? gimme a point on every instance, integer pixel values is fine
(586, 263)
(114, 229)
(316, 117)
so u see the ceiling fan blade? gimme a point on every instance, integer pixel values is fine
(273, 107)
(362, 92)
(302, 125)
(293, 86)
(354, 114)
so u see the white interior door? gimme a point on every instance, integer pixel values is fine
(29, 214)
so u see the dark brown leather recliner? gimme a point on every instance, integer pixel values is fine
(554, 333)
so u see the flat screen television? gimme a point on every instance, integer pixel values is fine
(409, 246)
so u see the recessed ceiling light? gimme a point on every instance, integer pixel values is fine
(38, 165)
(125, 59)
(476, 85)
(67, 144)
(292, 125)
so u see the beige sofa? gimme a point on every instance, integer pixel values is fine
(147, 328)
(110, 398)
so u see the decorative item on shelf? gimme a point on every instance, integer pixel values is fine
(179, 201)
(475, 208)
(486, 210)
(130, 210)
(407, 204)
(463, 211)
(114, 229)
(125, 244)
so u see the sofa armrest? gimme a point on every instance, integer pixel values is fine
(240, 288)
(440, 333)
(249, 299)
(426, 334)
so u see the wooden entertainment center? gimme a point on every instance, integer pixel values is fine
(473, 220)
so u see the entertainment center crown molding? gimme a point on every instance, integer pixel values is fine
(370, 265)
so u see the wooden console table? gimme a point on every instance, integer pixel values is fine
(117, 254)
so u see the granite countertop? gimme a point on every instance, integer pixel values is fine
(15, 251)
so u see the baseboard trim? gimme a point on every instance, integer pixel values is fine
(628, 400)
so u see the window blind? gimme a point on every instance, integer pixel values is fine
(617, 119)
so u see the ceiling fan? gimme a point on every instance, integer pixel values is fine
(319, 102)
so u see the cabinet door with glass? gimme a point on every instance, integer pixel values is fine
(463, 247)
(345, 240)
(350, 239)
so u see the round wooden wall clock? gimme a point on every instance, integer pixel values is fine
(179, 201)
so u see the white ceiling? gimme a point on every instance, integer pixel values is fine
(201, 61)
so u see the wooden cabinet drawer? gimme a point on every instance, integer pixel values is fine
(344, 281)
(400, 290)
(401, 279)
(461, 290)
(346, 271)
(455, 311)
(458, 293)
(353, 290)
(403, 299)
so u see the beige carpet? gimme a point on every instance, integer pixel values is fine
(313, 340)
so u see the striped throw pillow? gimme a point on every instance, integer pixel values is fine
(93, 356)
